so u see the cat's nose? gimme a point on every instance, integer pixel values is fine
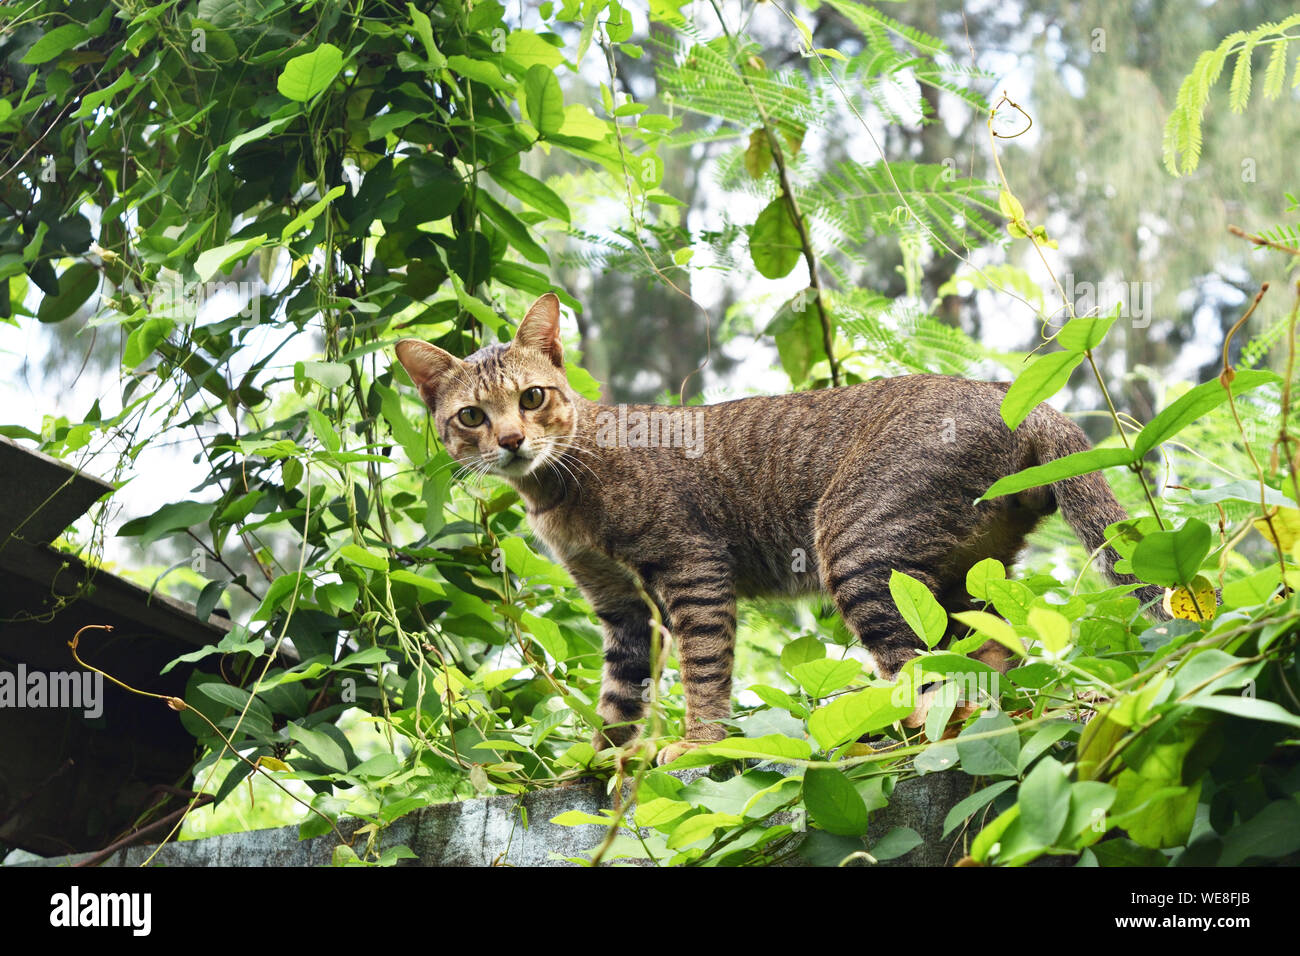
(510, 441)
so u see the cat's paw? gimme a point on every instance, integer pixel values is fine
(930, 696)
(612, 738)
(674, 750)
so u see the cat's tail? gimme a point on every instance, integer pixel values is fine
(1086, 501)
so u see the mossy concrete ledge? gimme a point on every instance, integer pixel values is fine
(491, 831)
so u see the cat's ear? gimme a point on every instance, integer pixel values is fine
(427, 365)
(540, 329)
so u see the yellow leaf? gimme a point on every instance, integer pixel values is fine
(1287, 524)
(1196, 602)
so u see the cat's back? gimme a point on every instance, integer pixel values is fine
(808, 431)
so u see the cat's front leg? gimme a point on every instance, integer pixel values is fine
(625, 673)
(701, 602)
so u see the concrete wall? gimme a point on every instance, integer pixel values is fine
(490, 831)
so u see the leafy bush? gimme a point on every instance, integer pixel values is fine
(376, 174)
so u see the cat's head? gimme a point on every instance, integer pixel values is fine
(506, 409)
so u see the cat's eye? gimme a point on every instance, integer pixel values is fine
(532, 398)
(471, 417)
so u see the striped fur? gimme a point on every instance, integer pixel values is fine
(822, 491)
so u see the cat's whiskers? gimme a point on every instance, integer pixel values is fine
(561, 468)
(565, 447)
(570, 462)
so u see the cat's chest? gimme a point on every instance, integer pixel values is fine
(566, 530)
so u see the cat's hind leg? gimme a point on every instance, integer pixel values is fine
(868, 528)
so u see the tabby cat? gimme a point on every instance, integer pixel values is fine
(819, 491)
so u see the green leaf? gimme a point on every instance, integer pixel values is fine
(1080, 335)
(982, 574)
(1010, 206)
(768, 747)
(800, 340)
(528, 49)
(54, 42)
(424, 29)
(319, 745)
(142, 341)
(171, 517)
(1045, 377)
(821, 677)
(328, 374)
(545, 101)
(307, 75)
(77, 284)
(1044, 801)
(208, 599)
(243, 139)
(1124, 852)
(922, 612)
(1051, 627)
(975, 801)
(993, 628)
(429, 586)
(834, 803)
(992, 756)
(1202, 399)
(1171, 558)
(281, 588)
(310, 213)
(213, 260)
(367, 655)
(849, 717)
(774, 240)
(750, 794)
(1079, 463)
(480, 71)
(1089, 801)
(513, 229)
(896, 843)
(800, 651)
(363, 557)
(547, 633)
(1042, 739)
(1249, 707)
(988, 838)
(324, 430)
(532, 191)
(659, 811)
(696, 828)
(1271, 833)
(1242, 490)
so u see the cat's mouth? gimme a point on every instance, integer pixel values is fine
(515, 464)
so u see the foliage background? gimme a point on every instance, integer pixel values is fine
(719, 192)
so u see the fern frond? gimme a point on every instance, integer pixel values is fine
(1239, 90)
(1284, 235)
(858, 199)
(1275, 72)
(874, 24)
(904, 340)
(1182, 135)
(704, 78)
